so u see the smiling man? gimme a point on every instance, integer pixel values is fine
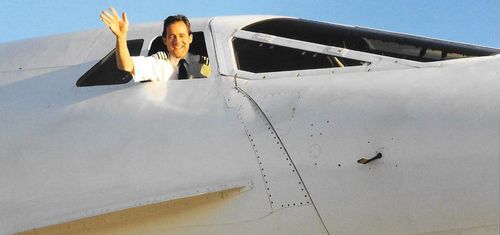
(175, 63)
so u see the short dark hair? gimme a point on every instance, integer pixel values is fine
(172, 19)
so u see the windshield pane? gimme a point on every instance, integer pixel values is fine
(258, 57)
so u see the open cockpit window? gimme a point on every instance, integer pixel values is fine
(105, 72)
(259, 57)
(368, 40)
(197, 49)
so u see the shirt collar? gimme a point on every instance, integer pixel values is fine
(188, 58)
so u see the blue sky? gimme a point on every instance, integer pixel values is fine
(470, 21)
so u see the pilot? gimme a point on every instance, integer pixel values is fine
(176, 63)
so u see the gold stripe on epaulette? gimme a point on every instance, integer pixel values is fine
(204, 60)
(161, 55)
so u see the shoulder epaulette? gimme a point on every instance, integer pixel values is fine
(204, 60)
(161, 55)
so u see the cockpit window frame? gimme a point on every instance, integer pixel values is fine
(364, 40)
(340, 52)
(257, 56)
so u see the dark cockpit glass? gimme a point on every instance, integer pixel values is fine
(368, 40)
(105, 72)
(258, 57)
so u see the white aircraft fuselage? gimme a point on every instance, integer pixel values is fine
(384, 144)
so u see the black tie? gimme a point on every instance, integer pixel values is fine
(182, 70)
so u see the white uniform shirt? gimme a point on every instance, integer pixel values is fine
(159, 68)
(155, 68)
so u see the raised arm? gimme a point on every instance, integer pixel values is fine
(119, 27)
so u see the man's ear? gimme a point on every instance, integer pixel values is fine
(164, 40)
(190, 38)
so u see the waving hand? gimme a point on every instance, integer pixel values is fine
(117, 25)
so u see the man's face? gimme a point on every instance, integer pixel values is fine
(178, 39)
